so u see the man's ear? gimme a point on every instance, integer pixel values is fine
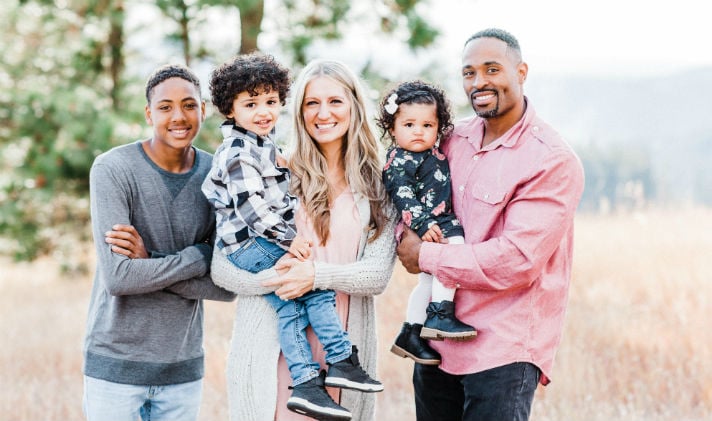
(202, 111)
(522, 70)
(147, 115)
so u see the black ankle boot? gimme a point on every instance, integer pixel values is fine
(441, 323)
(409, 344)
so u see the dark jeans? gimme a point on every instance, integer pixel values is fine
(500, 394)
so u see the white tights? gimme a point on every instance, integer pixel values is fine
(428, 286)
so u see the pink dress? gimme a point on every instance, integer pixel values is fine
(342, 247)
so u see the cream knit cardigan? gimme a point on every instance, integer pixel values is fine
(254, 350)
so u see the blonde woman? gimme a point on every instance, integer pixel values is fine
(336, 175)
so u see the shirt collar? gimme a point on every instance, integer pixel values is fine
(473, 130)
(229, 130)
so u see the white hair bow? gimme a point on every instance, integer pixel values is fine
(391, 106)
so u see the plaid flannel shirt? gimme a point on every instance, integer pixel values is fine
(249, 192)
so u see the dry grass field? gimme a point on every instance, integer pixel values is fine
(636, 346)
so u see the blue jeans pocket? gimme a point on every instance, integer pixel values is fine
(256, 255)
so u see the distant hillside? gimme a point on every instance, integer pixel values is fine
(674, 108)
(654, 131)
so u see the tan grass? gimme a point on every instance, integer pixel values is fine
(636, 345)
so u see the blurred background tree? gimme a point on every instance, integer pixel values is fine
(301, 22)
(62, 104)
(66, 95)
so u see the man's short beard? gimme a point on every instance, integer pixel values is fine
(494, 112)
(489, 113)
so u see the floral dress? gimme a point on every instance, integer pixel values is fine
(419, 185)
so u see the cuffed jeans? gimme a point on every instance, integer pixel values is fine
(318, 309)
(108, 401)
(500, 394)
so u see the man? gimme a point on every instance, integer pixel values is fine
(153, 232)
(516, 186)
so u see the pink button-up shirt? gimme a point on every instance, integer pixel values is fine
(516, 200)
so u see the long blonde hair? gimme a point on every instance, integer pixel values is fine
(360, 153)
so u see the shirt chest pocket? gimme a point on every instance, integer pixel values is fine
(487, 195)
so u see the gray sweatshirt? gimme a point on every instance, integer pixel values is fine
(145, 321)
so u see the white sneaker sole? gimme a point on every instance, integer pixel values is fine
(348, 384)
(304, 407)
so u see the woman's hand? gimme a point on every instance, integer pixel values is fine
(295, 282)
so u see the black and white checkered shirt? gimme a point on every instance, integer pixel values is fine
(248, 191)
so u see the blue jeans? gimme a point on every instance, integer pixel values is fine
(316, 308)
(256, 255)
(500, 394)
(104, 400)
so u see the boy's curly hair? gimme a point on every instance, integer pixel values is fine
(247, 72)
(416, 92)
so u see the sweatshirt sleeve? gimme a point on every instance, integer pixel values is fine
(201, 288)
(109, 198)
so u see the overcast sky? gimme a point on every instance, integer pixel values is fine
(595, 37)
(592, 38)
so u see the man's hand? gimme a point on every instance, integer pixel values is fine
(125, 240)
(409, 250)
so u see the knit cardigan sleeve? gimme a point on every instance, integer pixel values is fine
(370, 274)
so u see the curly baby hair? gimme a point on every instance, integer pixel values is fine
(247, 73)
(414, 92)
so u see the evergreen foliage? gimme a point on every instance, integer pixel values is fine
(65, 95)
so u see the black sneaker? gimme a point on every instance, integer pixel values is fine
(348, 374)
(310, 399)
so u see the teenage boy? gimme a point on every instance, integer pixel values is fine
(153, 231)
